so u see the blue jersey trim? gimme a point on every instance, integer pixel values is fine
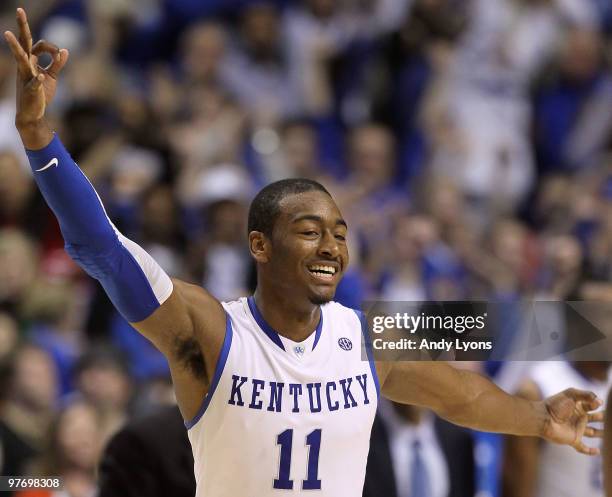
(318, 331)
(368, 346)
(267, 329)
(225, 348)
(271, 332)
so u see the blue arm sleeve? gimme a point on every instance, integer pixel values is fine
(132, 279)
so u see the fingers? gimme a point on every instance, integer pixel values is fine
(597, 417)
(35, 83)
(19, 53)
(587, 451)
(593, 405)
(588, 400)
(15, 47)
(593, 432)
(59, 61)
(25, 62)
(583, 395)
(42, 47)
(25, 36)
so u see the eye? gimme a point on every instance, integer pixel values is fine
(310, 233)
(342, 238)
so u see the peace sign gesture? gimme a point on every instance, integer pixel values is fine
(36, 85)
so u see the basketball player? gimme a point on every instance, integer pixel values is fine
(535, 468)
(275, 395)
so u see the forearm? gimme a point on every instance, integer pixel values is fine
(70, 196)
(464, 398)
(35, 135)
(136, 285)
(133, 281)
(481, 405)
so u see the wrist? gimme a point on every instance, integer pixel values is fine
(541, 419)
(35, 135)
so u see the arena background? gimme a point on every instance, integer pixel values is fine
(468, 143)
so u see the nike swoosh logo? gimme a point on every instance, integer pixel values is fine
(52, 162)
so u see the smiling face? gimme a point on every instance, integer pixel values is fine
(306, 255)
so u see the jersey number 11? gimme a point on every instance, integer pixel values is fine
(285, 440)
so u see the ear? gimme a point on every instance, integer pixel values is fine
(260, 246)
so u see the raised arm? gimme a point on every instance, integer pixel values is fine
(183, 321)
(469, 399)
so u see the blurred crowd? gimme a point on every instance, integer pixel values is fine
(467, 142)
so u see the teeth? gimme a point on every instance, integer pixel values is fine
(326, 269)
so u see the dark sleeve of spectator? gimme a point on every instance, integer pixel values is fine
(150, 457)
(127, 468)
(458, 447)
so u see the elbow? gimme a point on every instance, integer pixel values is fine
(99, 237)
(98, 258)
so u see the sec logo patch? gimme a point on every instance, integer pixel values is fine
(345, 343)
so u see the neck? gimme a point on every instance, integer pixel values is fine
(79, 482)
(288, 317)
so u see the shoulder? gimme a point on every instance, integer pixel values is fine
(335, 309)
(196, 299)
(342, 319)
(189, 312)
(235, 307)
(240, 318)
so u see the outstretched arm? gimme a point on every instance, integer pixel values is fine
(178, 318)
(469, 399)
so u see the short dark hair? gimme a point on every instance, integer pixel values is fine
(104, 357)
(264, 209)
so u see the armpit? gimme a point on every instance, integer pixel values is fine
(189, 354)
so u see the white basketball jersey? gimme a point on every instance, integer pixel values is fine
(284, 418)
(563, 472)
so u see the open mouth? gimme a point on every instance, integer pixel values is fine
(322, 271)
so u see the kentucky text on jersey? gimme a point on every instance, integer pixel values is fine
(292, 423)
(274, 396)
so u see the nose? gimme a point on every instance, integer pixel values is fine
(328, 245)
